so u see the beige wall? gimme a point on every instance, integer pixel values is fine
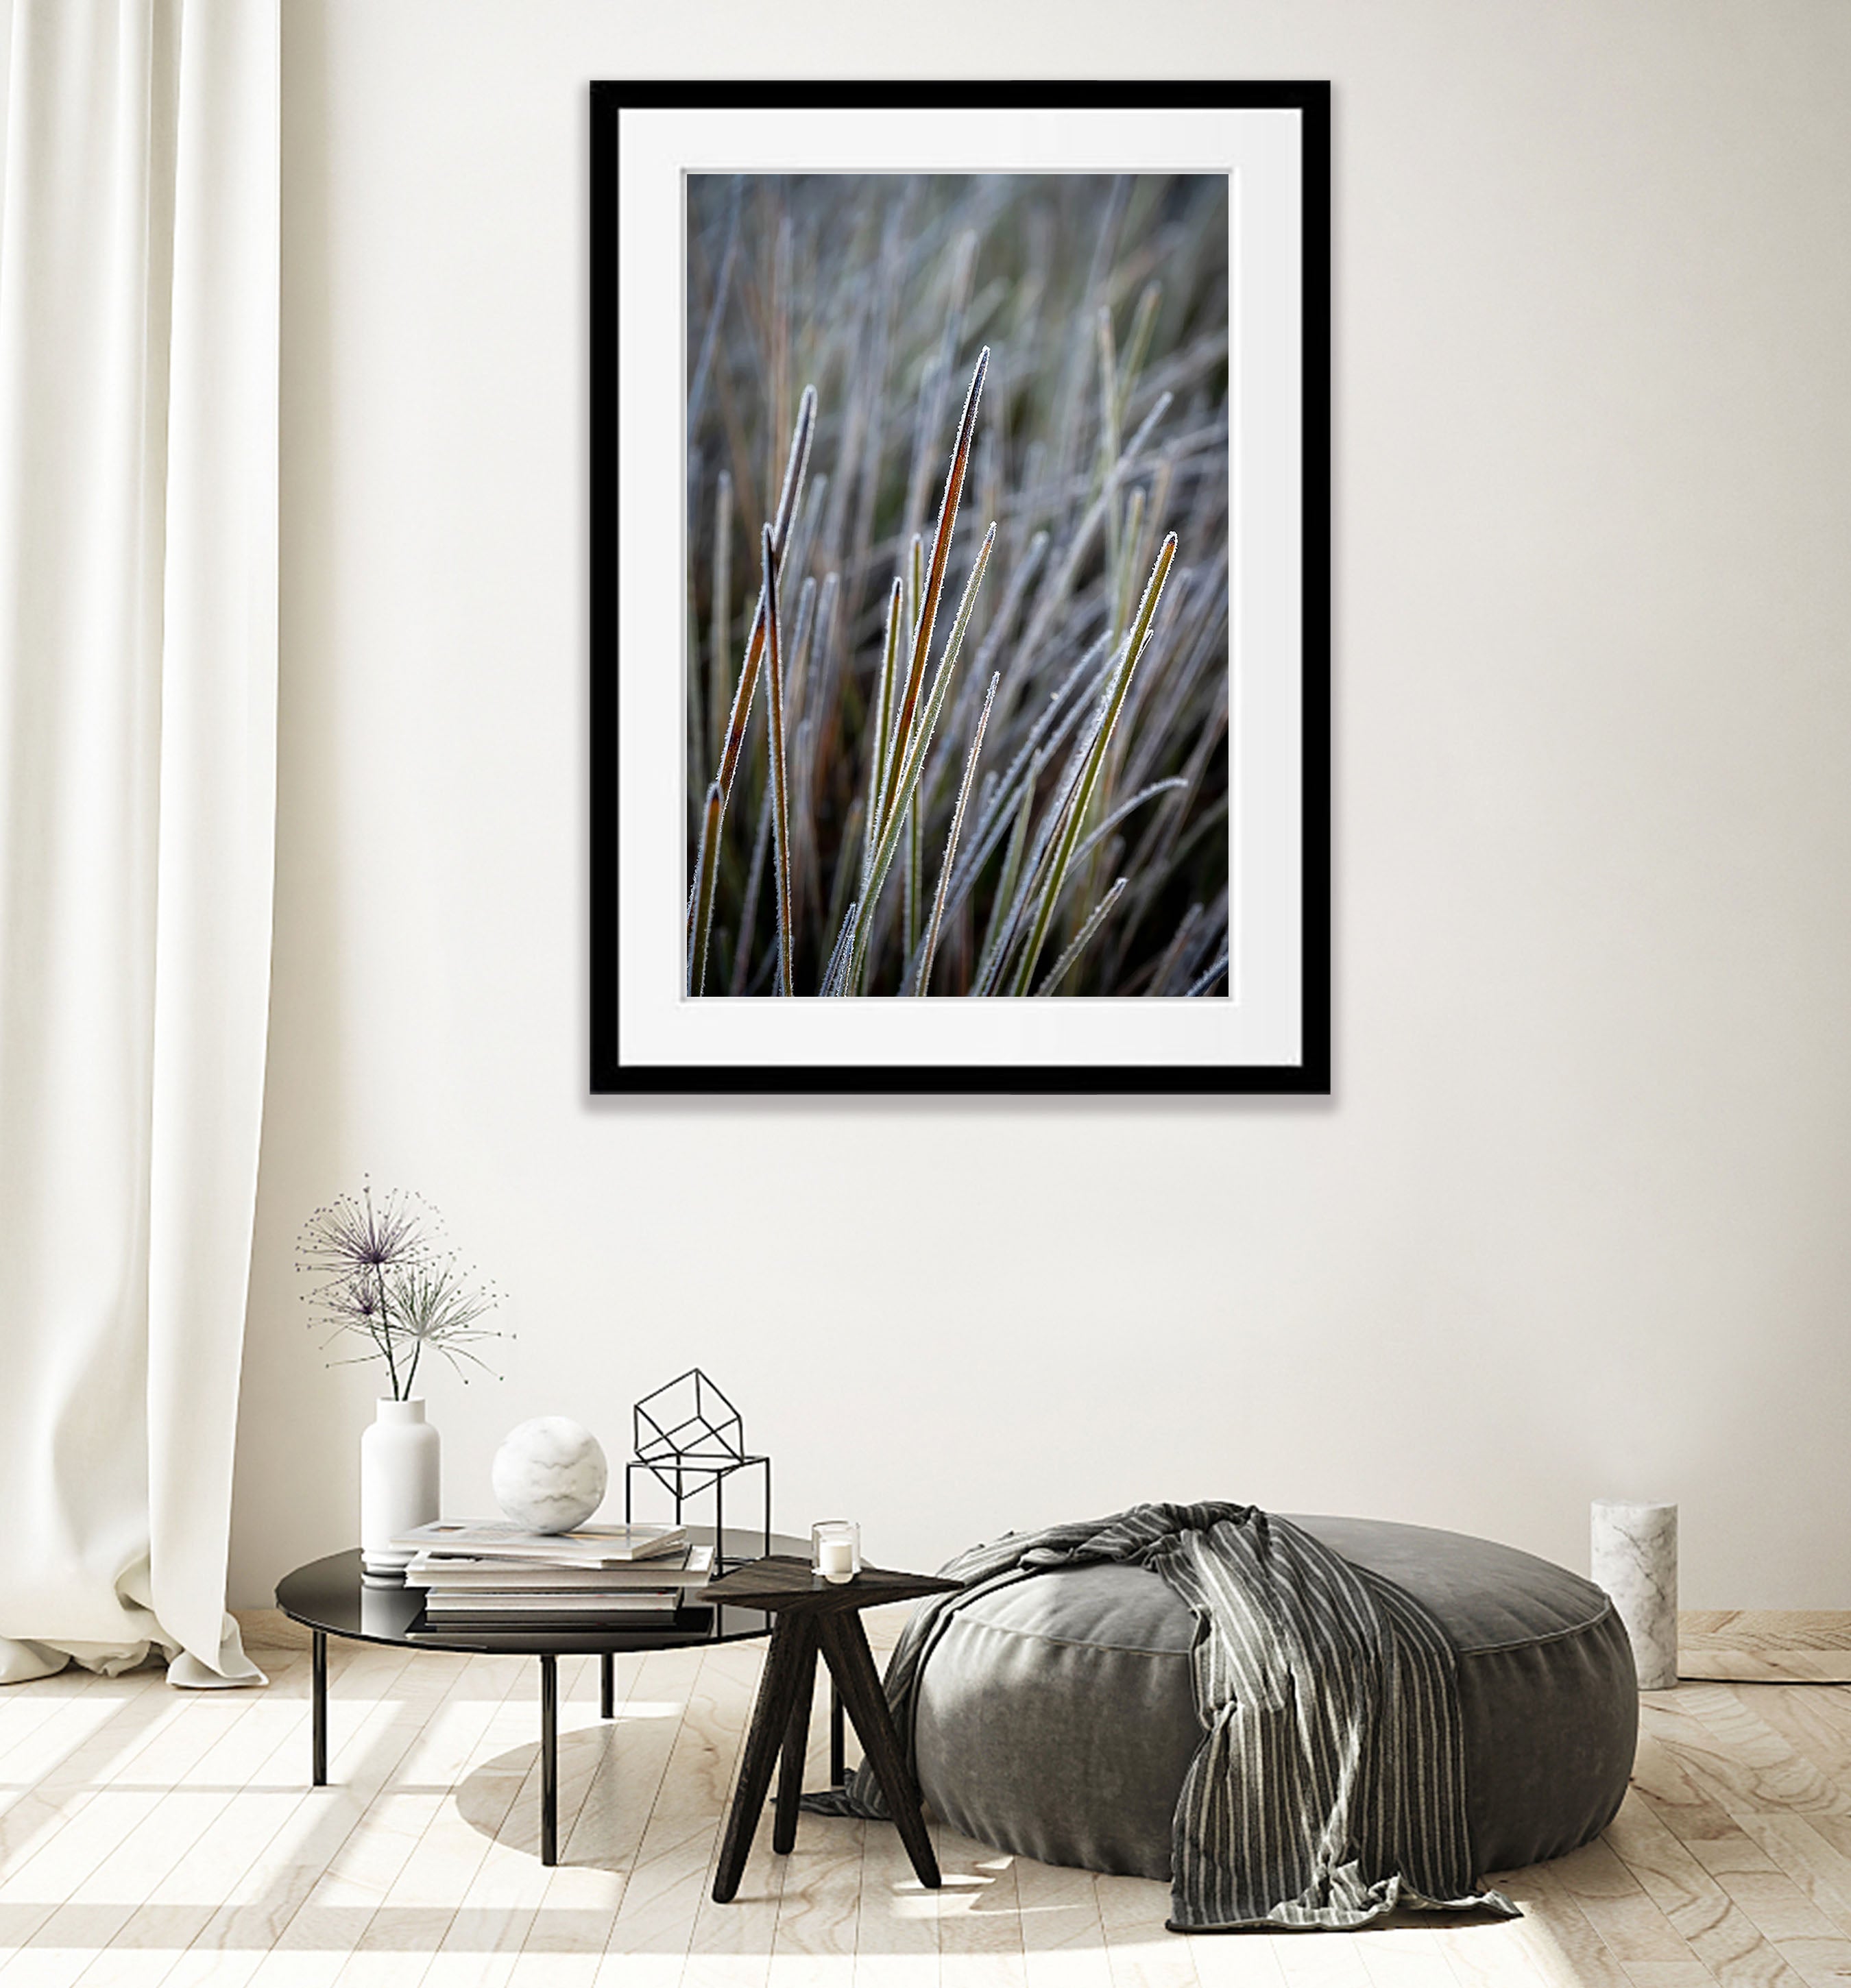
(1573, 1223)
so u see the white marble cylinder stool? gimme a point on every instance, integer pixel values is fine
(1634, 1557)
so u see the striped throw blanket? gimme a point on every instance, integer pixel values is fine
(1329, 1786)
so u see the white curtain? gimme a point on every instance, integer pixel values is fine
(139, 279)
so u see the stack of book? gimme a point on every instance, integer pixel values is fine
(482, 1573)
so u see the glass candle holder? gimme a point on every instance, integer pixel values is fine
(835, 1549)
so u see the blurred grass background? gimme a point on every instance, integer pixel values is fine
(1104, 425)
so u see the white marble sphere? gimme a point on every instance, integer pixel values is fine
(550, 1474)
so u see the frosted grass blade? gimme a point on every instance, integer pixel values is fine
(908, 777)
(951, 842)
(1175, 951)
(1124, 808)
(1003, 619)
(1000, 808)
(938, 372)
(1128, 538)
(847, 862)
(1208, 979)
(722, 619)
(941, 553)
(793, 561)
(1035, 868)
(697, 389)
(877, 766)
(910, 907)
(838, 958)
(755, 880)
(915, 587)
(779, 355)
(755, 640)
(796, 656)
(781, 798)
(1059, 583)
(747, 687)
(706, 865)
(1109, 439)
(1101, 911)
(1005, 884)
(1144, 322)
(1082, 793)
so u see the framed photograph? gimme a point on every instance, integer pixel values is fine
(960, 651)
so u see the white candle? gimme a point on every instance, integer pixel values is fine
(835, 1560)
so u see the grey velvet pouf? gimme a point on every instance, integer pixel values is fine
(1057, 1716)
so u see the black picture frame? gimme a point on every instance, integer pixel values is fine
(1309, 1075)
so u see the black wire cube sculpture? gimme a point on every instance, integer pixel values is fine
(691, 1439)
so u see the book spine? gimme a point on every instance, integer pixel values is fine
(475, 1606)
(637, 1619)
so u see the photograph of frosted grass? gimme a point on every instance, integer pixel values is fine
(957, 587)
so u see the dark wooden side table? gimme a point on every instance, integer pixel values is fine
(812, 1617)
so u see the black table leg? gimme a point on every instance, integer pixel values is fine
(549, 1759)
(845, 1644)
(318, 1710)
(838, 1764)
(764, 1740)
(606, 1684)
(797, 1743)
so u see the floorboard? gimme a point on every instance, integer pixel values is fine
(158, 1839)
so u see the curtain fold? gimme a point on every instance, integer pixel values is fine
(139, 280)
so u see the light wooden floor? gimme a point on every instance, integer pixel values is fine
(149, 1835)
(1792, 1646)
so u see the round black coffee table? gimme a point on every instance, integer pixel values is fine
(333, 1597)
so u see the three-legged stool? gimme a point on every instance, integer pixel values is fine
(814, 1618)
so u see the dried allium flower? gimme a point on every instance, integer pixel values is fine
(381, 1276)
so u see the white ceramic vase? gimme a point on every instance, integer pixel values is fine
(400, 1468)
